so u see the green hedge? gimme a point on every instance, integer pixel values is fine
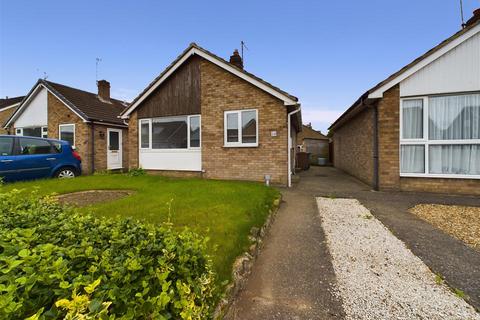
(56, 263)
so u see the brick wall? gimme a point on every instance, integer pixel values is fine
(58, 114)
(133, 141)
(450, 186)
(4, 116)
(222, 91)
(389, 156)
(353, 146)
(388, 139)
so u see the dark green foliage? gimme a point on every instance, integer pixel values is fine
(49, 254)
(135, 172)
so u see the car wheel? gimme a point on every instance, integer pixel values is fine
(65, 173)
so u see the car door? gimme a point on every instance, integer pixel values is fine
(35, 158)
(7, 163)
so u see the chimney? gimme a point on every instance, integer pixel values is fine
(103, 90)
(475, 18)
(236, 60)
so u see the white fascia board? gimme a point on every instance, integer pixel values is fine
(287, 101)
(10, 106)
(30, 97)
(378, 93)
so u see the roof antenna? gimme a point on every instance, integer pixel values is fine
(98, 60)
(243, 45)
(461, 13)
(45, 75)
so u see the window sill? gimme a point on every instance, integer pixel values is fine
(169, 150)
(439, 176)
(241, 145)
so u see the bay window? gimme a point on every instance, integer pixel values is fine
(440, 136)
(241, 128)
(179, 132)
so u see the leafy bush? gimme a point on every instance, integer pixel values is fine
(51, 256)
(135, 172)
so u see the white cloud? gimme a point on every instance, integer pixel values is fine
(124, 94)
(327, 116)
(320, 119)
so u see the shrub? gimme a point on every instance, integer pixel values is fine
(135, 172)
(55, 262)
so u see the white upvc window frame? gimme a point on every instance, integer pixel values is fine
(239, 143)
(149, 121)
(65, 125)
(426, 143)
(43, 131)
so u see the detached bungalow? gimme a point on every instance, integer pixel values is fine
(419, 129)
(7, 108)
(204, 116)
(89, 121)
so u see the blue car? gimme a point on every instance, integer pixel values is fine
(27, 158)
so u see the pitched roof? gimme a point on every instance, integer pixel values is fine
(309, 133)
(8, 102)
(366, 97)
(85, 104)
(193, 48)
(89, 104)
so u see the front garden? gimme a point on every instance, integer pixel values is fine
(143, 234)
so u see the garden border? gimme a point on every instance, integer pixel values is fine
(242, 267)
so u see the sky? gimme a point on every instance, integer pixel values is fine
(326, 53)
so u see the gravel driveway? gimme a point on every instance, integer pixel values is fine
(377, 276)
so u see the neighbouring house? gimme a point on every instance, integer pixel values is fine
(419, 129)
(205, 116)
(313, 142)
(7, 108)
(89, 121)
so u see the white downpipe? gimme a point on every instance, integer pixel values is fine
(290, 145)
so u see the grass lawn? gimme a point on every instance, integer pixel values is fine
(225, 211)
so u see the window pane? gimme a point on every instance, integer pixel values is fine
(33, 132)
(249, 127)
(232, 127)
(6, 144)
(113, 140)
(194, 132)
(454, 117)
(144, 134)
(169, 133)
(34, 146)
(67, 133)
(412, 159)
(412, 114)
(455, 159)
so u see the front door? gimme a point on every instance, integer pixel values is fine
(114, 149)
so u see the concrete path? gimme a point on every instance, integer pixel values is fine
(293, 276)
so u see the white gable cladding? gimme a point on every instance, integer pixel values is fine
(456, 71)
(35, 112)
